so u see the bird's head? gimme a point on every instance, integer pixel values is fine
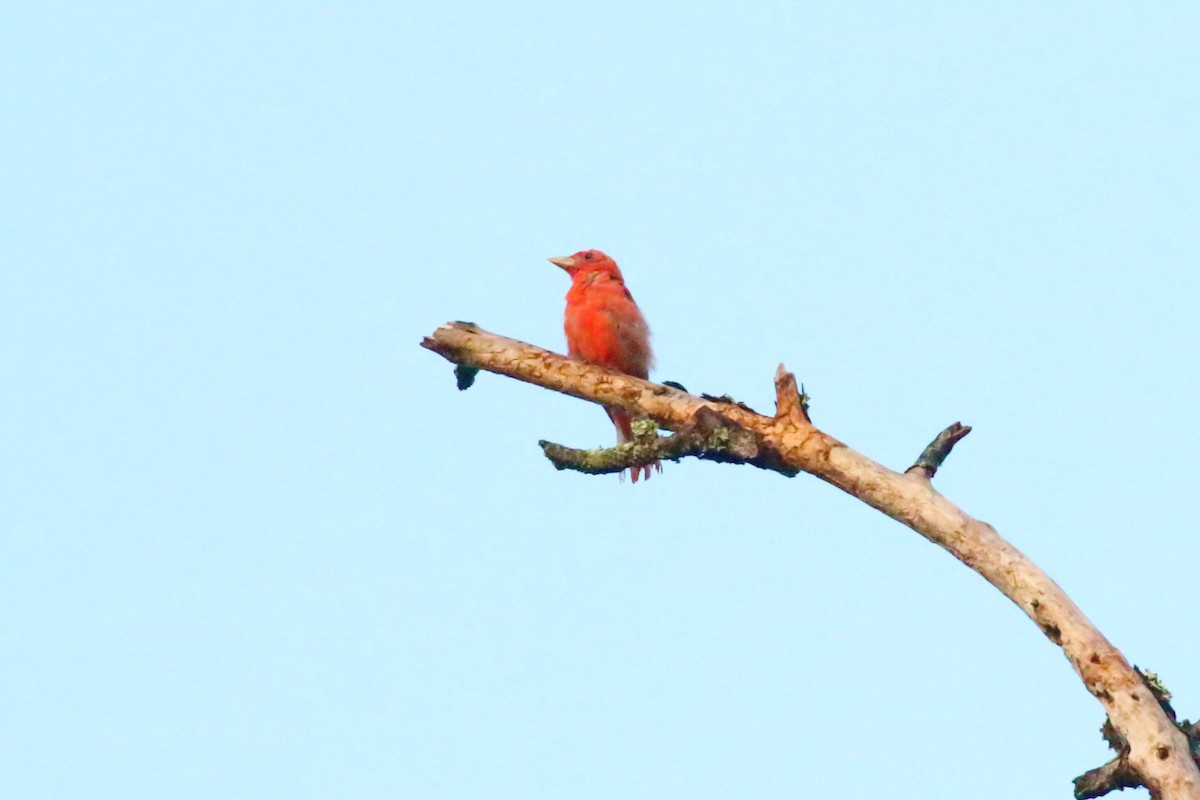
(589, 262)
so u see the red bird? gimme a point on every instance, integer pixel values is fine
(604, 326)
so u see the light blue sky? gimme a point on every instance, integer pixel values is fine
(253, 544)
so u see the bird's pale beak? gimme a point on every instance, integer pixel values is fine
(566, 263)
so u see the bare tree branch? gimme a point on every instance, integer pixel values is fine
(1158, 752)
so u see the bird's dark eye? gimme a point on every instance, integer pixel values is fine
(588, 256)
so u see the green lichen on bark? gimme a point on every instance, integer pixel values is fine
(644, 429)
(602, 460)
(710, 437)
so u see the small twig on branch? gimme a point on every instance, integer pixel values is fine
(1116, 774)
(932, 457)
(1159, 752)
(710, 436)
(724, 398)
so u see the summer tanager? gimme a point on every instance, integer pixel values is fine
(604, 326)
